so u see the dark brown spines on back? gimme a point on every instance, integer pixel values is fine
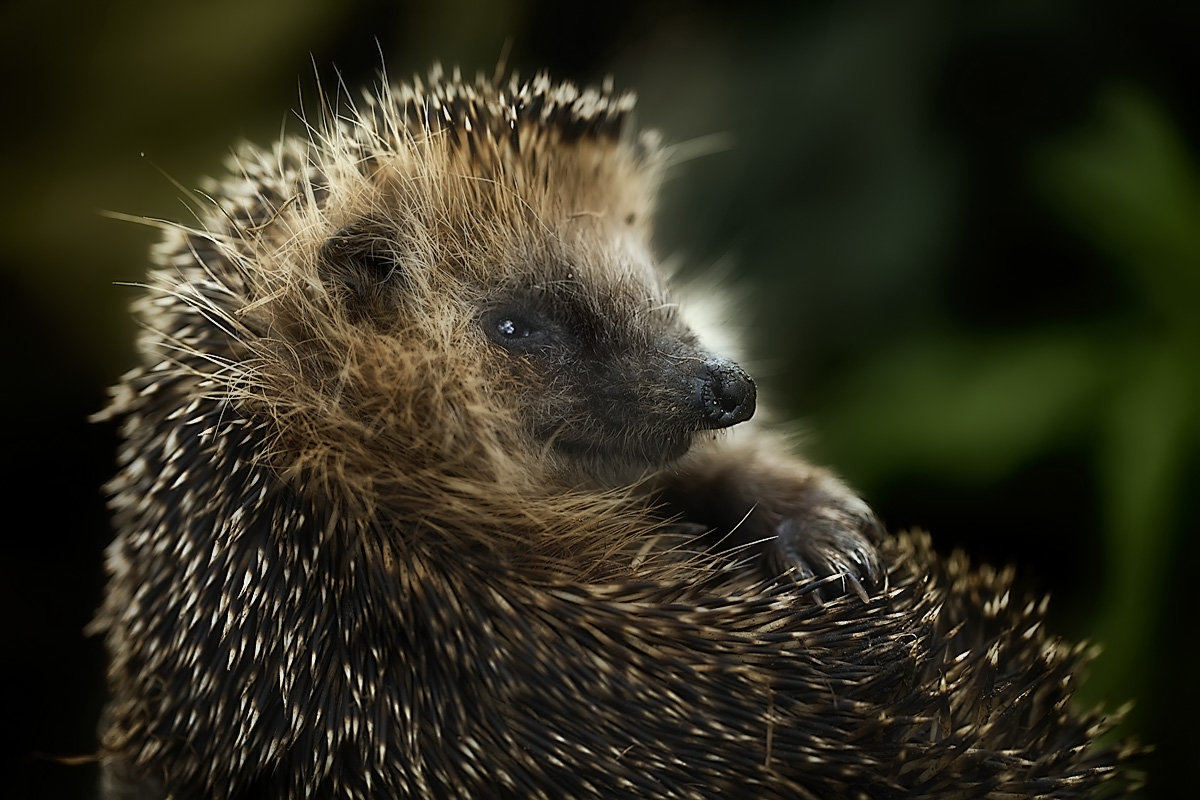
(345, 566)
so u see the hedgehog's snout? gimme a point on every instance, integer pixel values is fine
(725, 394)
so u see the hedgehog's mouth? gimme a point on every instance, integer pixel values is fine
(654, 451)
(622, 459)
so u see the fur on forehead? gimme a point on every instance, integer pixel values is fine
(518, 181)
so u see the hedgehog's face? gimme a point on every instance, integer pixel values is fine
(542, 312)
(610, 382)
(579, 346)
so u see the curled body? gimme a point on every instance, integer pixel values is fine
(426, 491)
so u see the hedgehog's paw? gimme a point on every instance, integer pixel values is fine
(825, 532)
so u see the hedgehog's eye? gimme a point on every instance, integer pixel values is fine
(510, 328)
(519, 331)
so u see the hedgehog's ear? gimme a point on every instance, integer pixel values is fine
(361, 261)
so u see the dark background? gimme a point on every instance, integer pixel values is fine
(965, 234)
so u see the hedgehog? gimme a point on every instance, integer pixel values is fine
(430, 486)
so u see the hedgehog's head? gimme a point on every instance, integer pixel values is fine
(479, 301)
(522, 214)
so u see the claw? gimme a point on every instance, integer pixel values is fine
(856, 585)
(832, 537)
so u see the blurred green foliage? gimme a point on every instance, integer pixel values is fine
(1130, 186)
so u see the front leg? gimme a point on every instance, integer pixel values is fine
(753, 497)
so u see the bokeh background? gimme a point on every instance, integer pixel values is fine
(966, 236)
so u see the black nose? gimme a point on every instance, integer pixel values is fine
(726, 395)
